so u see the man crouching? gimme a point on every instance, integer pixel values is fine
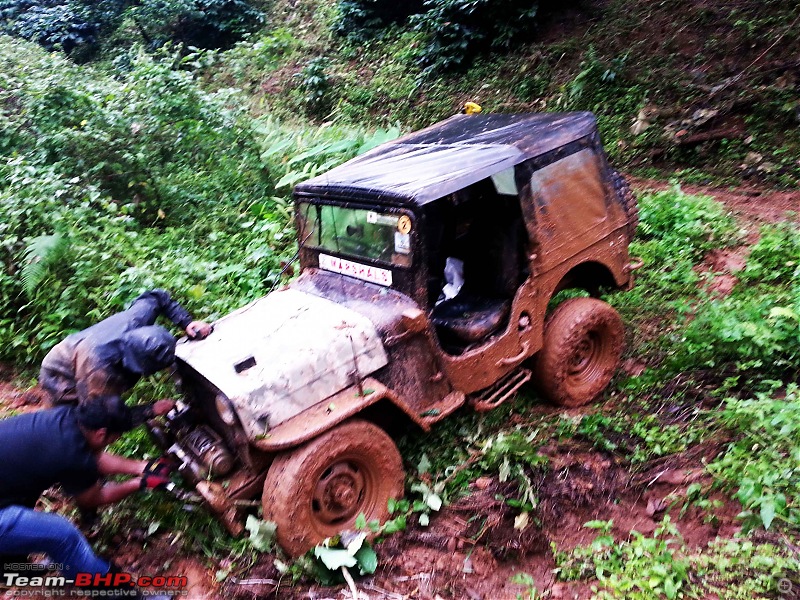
(63, 446)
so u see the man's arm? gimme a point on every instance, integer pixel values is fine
(100, 494)
(147, 307)
(112, 464)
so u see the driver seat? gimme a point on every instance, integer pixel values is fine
(468, 318)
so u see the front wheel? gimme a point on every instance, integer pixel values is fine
(583, 342)
(318, 490)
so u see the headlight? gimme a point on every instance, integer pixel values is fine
(225, 410)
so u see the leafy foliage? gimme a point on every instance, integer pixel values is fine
(78, 26)
(639, 438)
(153, 182)
(757, 326)
(194, 23)
(663, 566)
(72, 26)
(43, 254)
(639, 568)
(316, 85)
(764, 461)
(262, 534)
(742, 568)
(357, 20)
(776, 256)
(457, 30)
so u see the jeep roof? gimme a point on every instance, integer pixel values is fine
(449, 156)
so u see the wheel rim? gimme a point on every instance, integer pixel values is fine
(341, 492)
(586, 361)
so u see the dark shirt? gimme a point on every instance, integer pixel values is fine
(89, 363)
(41, 449)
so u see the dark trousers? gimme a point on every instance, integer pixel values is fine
(24, 531)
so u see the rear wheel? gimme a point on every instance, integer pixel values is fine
(583, 342)
(318, 490)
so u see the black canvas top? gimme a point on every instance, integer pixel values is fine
(448, 156)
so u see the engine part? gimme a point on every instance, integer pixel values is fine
(204, 443)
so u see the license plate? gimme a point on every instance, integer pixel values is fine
(357, 270)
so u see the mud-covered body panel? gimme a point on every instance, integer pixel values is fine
(413, 370)
(281, 354)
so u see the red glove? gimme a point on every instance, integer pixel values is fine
(154, 482)
(163, 467)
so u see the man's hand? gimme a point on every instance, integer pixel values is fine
(162, 407)
(153, 482)
(161, 466)
(198, 330)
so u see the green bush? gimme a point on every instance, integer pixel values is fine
(776, 256)
(109, 187)
(759, 330)
(757, 326)
(72, 26)
(358, 20)
(675, 231)
(78, 27)
(315, 83)
(195, 23)
(763, 463)
(457, 30)
(156, 143)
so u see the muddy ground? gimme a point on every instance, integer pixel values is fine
(471, 549)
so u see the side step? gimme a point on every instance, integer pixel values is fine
(493, 396)
(447, 405)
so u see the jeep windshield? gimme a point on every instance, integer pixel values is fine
(356, 232)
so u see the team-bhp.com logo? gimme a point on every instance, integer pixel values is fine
(98, 585)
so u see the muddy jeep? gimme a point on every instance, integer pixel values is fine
(428, 266)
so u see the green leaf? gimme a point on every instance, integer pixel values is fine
(604, 526)
(42, 254)
(671, 588)
(361, 521)
(262, 533)
(335, 558)
(353, 543)
(424, 465)
(433, 501)
(767, 510)
(395, 525)
(780, 311)
(367, 559)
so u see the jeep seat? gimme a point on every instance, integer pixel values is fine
(470, 318)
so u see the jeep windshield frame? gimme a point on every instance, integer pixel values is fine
(362, 233)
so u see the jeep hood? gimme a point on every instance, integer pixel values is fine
(282, 354)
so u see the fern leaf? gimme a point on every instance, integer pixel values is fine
(43, 252)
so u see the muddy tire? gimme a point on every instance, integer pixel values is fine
(625, 194)
(318, 490)
(583, 342)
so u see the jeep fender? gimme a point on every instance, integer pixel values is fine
(333, 410)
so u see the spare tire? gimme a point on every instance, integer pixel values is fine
(623, 191)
